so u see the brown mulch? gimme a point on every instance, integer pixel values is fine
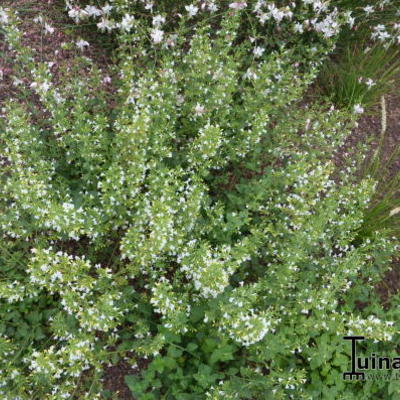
(368, 131)
(390, 285)
(114, 377)
(371, 125)
(114, 380)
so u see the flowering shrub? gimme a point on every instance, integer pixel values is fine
(198, 222)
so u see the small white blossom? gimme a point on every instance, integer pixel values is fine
(38, 20)
(298, 28)
(77, 14)
(93, 11)
(238, 5)
(48, 29)
(107, 9)
(158, 20)
(358, 109)
(369, 82)
(157, 35)
(258, 51)
(81, 44)
(212, 7)
(192, 10)
(127, 23)
(368, 9)
(3, 17)
(105, 25)
(199, 109)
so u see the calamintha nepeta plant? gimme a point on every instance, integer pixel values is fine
(198, 223)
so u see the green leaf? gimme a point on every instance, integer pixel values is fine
(192, 346)
(224, 353)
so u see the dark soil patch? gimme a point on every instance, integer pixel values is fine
(114, 378)
(390, 285)
(369, 130)
(389, 167)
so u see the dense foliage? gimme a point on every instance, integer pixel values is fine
(194, 218)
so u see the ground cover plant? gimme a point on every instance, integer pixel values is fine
(190, 222)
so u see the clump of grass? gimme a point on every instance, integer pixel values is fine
(367, 55)
(385, 207)
(359, 74)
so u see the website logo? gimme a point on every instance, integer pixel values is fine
(371, 363)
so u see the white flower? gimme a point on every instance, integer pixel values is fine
(77, 14)
(158, 20)
(368, 10)
(259, 4)
(192, 10)
(48, 29)
(258, 51)
(298, 28)
(127, 22)
(3, 17)
(213, 7)
(157, 35)
(43, 86)
(106, 9)
(263, 17)
(92, 11)
(81, 44)
(105, 24)
(199, 109)
(358, 109)
(329, 27)
(369, 82)
(238, 5)
(276, 13)
(58, 98)
(44, 268)
(380, 33)
(56, 275)
(38, 20)
(350, 19)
